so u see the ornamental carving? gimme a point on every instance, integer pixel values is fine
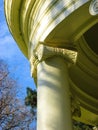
(43, 52)
(93, 9)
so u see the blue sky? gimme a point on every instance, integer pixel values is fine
(9, 51)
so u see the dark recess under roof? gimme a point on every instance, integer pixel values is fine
(91, 37)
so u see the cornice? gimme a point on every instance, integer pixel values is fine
(25, 12)
(48, 16)
(12, 12)
(32, 21)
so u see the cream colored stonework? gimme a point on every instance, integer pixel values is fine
(94, 7)
(54, 108)
(51, 35)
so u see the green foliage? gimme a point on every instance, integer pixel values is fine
(81, 126)
(31, 99)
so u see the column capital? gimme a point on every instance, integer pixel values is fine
(42, 52)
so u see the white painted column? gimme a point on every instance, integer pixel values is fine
(95, 128)
(54, 109)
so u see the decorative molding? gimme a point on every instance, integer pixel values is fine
(45, 18)
(31, 21)
(75, 107)
(43, 52)
(83, 98)
(85, 104)
(34, 62)
(93, 9)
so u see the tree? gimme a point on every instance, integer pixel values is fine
(14, 115)
(31, 100)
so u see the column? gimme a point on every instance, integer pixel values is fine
(49, 65)
(95, 128)
(54, 110)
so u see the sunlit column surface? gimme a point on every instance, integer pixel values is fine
(54, 110)
(54, 23)
(54, 99)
